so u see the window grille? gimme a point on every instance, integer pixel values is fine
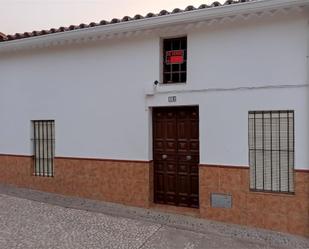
(44, 147)
(175, 71)
(271, 151)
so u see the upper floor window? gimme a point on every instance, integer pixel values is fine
(175, 60)
(271, 151)
(43, 147)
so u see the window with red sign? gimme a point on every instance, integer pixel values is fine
(175, 60)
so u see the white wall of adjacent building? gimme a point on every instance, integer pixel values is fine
(101, 94)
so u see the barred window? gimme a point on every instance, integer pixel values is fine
(175, 60)
(43, 147)
(271, 151)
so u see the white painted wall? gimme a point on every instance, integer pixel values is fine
(249, 54)
(96, 92)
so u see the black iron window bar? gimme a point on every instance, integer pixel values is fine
(44, 147)
(175, 73)
(271, 151)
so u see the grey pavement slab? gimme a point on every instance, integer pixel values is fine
(35, 219)
(174, 238)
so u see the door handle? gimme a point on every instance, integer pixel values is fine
(188, 158)
(164, 157)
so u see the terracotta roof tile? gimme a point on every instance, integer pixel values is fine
(138, 16)
(115, 20)
(163, 13)
(72, 27)
(150, 15)
(177, 10)
(52, 30)
(103, 22)
(216, 4)
(4, 38)
(27, 34)
(126, 18)
(189, 8)
(83, 25)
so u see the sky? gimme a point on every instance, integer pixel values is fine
(28, 15)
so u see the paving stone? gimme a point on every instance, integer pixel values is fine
(29, 224)
(34, 219)
(174, 238)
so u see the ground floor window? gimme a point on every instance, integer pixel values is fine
(43, 147)
(271, 151)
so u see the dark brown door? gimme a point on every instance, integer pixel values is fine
(176, 155)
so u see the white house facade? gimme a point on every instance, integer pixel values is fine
(204, 109)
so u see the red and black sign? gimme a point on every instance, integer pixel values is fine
(174, 57)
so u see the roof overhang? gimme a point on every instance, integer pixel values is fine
(159, 22)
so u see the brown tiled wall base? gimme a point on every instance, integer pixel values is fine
(131, 183)
(123, 182)
(280, 212)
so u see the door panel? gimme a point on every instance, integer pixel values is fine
(176, 155)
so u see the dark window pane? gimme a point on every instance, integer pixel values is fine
(175, 77)
(167, 68)
(183, 67)
(183, 77)
(167, 78)
(175, 68)
(176, 44)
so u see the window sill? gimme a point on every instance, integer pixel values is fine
(166, 87)
(282, 194)
(170, 88)
(43, 175)
(172, 84)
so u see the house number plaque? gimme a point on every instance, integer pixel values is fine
(172, 99)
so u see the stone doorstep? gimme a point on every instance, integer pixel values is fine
(156, 216)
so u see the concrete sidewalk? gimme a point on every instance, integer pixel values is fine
(34, 219)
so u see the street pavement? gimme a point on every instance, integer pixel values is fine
(29, 224)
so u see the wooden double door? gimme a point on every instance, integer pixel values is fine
(176, 155)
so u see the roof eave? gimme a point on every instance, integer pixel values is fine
(155, 22)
